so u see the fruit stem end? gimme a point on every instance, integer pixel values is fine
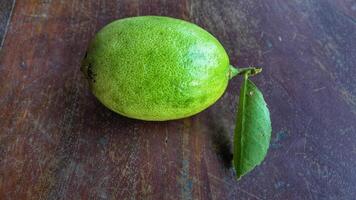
(249, 71)
(233, 72)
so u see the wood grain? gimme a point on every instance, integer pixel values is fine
(58, 142)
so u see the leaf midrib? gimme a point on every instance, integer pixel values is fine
(242, 119)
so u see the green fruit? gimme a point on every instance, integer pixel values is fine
(156, 68)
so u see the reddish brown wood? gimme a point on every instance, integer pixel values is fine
(58, 142)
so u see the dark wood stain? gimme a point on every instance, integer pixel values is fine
(58, 142)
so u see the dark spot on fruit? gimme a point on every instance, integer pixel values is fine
(90, 73)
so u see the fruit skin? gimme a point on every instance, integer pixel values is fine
(156, 68)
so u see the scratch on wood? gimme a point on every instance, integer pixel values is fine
(320, 65)
(232, 185)
(249, 193)
(306, 134)
(294, 35)
(349, 98)
(347, 17)
(7, 24)
(43, 15)
(307, 184)
(318, 89)
(185, 180)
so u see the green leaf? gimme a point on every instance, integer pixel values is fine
(253, 128)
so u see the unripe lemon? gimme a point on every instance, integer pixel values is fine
(156, 68)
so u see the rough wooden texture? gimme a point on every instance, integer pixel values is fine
(58, 142)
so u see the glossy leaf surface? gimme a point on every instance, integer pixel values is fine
(253, 129)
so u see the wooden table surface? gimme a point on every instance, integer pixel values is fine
(58, 142)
